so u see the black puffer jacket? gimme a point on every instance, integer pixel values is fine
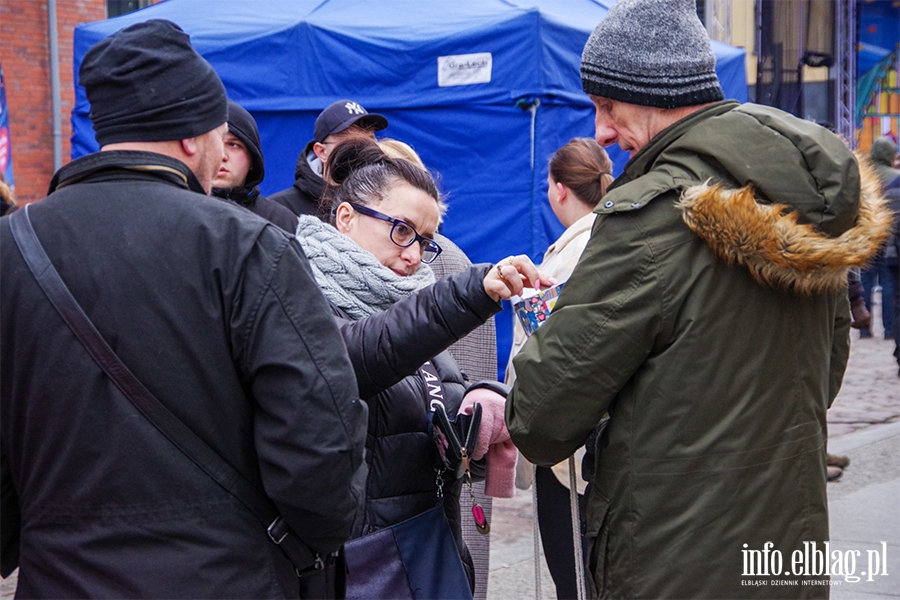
(302, 197)
(386, 350)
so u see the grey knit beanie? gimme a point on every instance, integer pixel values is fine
(651, 53)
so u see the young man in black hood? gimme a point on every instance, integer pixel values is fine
(243, 169)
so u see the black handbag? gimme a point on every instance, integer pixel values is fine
(455, 441)
(416, 558)
(319, 576)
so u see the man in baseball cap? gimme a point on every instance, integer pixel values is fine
(340, 121)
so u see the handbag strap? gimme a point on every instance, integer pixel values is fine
(576, 532)
(434, 387)
(182, 437)
(580, 581)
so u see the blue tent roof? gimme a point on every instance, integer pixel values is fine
(285, 60)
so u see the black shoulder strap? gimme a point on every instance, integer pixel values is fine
(168, 424)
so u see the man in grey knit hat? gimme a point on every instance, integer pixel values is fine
(708, 316)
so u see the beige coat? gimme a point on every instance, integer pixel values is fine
(559, 262)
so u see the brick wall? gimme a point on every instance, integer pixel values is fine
(25, 56)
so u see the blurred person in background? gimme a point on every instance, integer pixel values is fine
(338, 122)
(578, 176)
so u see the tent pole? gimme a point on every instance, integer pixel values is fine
(533, 110)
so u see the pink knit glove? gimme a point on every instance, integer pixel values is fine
(493, 441)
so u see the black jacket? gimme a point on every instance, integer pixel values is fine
(273, 212)
(260, 206)
(217, 313)
(386, 350)
(302, 197)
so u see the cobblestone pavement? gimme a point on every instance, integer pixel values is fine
(870, 393)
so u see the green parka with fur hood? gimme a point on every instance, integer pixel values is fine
(708, 315)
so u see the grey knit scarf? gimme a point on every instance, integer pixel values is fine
(350, 277)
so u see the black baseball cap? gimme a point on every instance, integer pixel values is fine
(342, 114)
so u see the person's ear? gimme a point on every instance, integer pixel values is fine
(319, 149)
(343, 217)
(563, 193)
(189, 146)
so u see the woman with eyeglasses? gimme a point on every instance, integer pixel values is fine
(372, 265)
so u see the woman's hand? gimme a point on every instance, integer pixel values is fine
(510, 275)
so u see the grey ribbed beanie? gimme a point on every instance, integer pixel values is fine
(651, 53)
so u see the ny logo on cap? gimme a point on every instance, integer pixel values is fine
(353, 107)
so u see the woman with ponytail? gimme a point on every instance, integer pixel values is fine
(371, 262)
(578, 176)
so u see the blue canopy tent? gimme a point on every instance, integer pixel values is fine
(484, 90)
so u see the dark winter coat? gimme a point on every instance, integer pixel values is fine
(261, 206)
(273, 212)
(386, 350)
(302, 198)
(714, 330)
(217, 313)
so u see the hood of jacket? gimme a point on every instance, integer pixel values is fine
(883, 151)
(305, 179)
(242, 125)
(781, 196)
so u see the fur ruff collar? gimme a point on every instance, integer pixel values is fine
(780, 252)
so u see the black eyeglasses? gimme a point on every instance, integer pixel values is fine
(402, 233)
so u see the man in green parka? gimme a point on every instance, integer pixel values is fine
(708, 315)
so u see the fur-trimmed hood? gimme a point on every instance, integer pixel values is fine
(780, 251)
(781, 196)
